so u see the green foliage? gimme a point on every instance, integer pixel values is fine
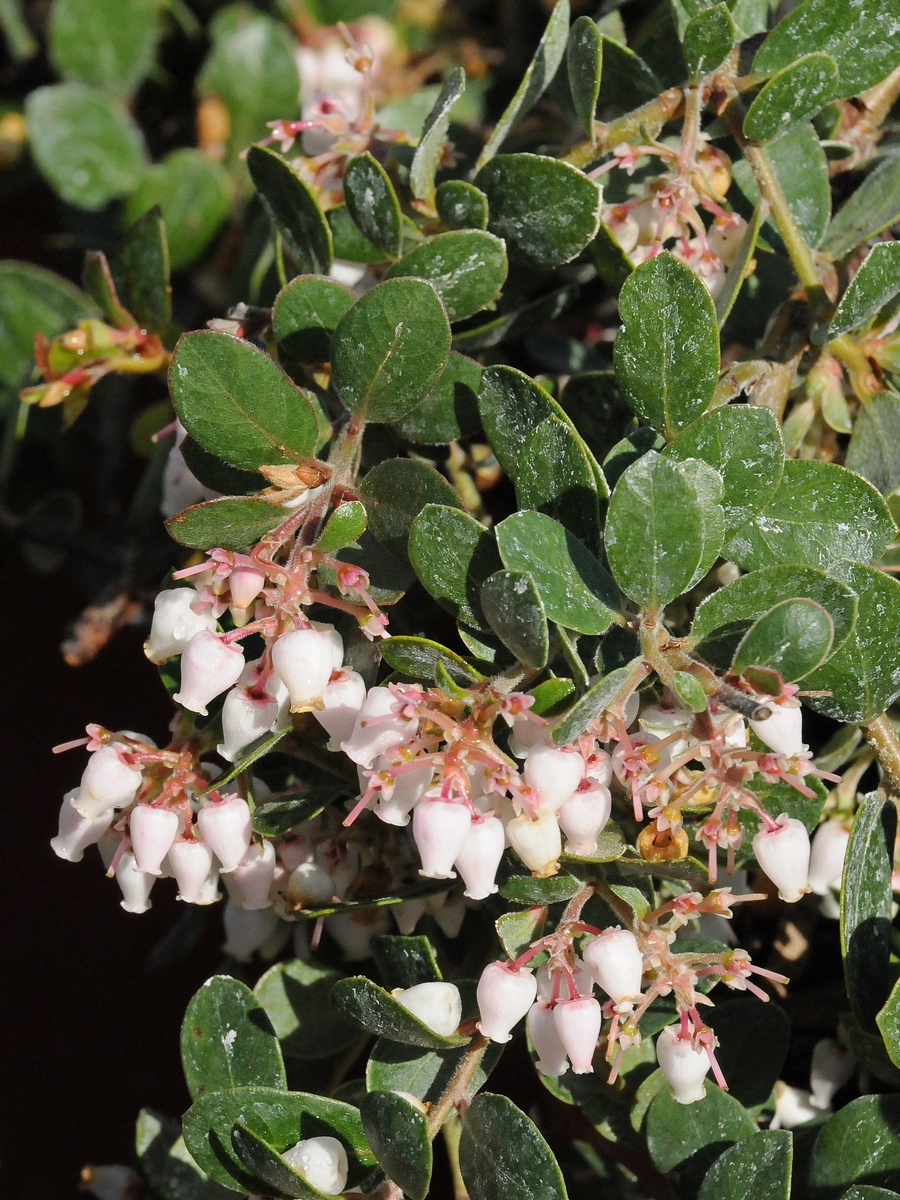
(501, 1148)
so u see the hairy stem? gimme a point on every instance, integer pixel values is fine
(882, 737)
(457, 1090)
(634, 126)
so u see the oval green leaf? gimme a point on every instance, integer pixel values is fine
(395, 492)
(859, 1145)
(466, 267)
(419, 657)
(708, 39)
(501, 1153)
(434, 134)
(515, 613)
(293, 210)
(372, 203)
(584, 60)
(453, 554)
(398, 1134)
(450, 410)
(761, 1167)
(33, 299)
(306, 314)
(875, 283)
(870, 209)
(460, 205)
(108, 44)
(295, 995)
(794, 94)
(234, 523)
(792, 638)
(369, 1006)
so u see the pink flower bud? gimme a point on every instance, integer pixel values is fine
(152, 830)
(553, 773)
(578, 1024)
(134, 883)
(479, 857)
(827, 853)
(303, 660)
(108, 782)
(226, 828)
(175, 623)
(245, 583)
(541, 1026)
(253, 876)
(209, 667)
(322, 1162)
(248, 930)
(683, 1066)
(583, 817)
(190, 862)
(783, 854)
(437, 1005)
(379, 728)
(505, 994)
(76, 832)
(398, 800)
(616, 963)
(342, 700)
(783, 730)
(832, 1067)
(439, 831)
(537, 842)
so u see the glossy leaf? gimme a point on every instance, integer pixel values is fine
(546, 210)
(742, 266)
(395, 492)
(218, 475)
(238, 403)
(501, 1152)
(453, 554)
(390, 348)
(667, 351)
(538, 76)
(688, 1138)
(589, 707)
(347, 523)
(888, 1022)
(526, 889)
(874, 450)
(450, 410)
(434, 135)
(875, 283)
(293, 210)
(466, 267)
(792, 638)
(295, 995)
(275, 817)
(268, 1165)
(859, 1145)
(87, 147)
(369, 1006)
(227, 1040)
(575, 589)
(398, 1134)
(870, 209)
(519, 930)
(347, 240)
(307, 313)
(627, 80)
(744, 1021)
(405, 961)
(707, 41)
(794, 94)
(34, 299)
(584, 59)
(761, 1167)
(556, 476)
(801, 169)
(108, 44)
(460, 205)
(515, 613)
(373, 204)
(166, 1164)
(234, 523)
(419, 657)
(141, 272)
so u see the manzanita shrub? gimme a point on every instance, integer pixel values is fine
(498, 697)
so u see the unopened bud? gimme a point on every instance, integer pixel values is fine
(153, 831)
(226, 828)
(322, 1162)
(245, 583)
(439, 831)
(827, 853)
(541, 1026)
(209, 667)
(578, 1023)
(683, 1066)
(793, 1107)
(175, 623)
(505, 994)
(616, 963)
(437, 1005)
(783, 854)
(479, 857)
(309, 886)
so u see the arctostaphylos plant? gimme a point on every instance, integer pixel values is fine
(511, 713)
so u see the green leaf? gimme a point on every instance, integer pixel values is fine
(388, 351)
(195, 197)
(405, 961)
(627, 80)
(742, 266)
(688, 1138)
(689, 692)
(347, 523)
(859, 1144)
(537, 78)
(234, 523)
(295, 995)
(218, 475)
(434, 135)
(801, 169)
(395, 492)
(107, 44)
(707, 41)
(86, 146)
(589, 707)
(519, 930)
(870, 209)
(545, 209)
(227, 1040)
(575, 589)
(398, 1134)
(34, 299)
(268, 1165)
(466, 267)
(888, 1022)
(866, 898)
(549, 695)
(460, 205)
(820, 513)
(843, 29)
(794, 94)
(875, 283)
(452, 554)
(141, 272)
(793, 638)
(556, 476)
(450, 410)
(419, 657)
(165, 1163)
(98, 281)
(276, 817)
(667, 351)
(306, 314)
(743, 444)
(526, 889)
(360, 1000)
(874, 450)
(584, 59)
(372, 203)
(515, 613)
(866, 1192)
(293, 210)
(746, 1021)
(761, 1167)
(655, 531)
(501, 1153)
(348, 241)
(238, 403)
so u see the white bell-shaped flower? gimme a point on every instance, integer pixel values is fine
(479, 857)
(209, 667)
(598, 768)
(615, 961)
(439, 831)
(252, 877)
(537, 842)
(437, 1005)
(583, 817)
(309, 886)
(553, 773)
(180, 486)
(449, 914)
(394, 805)
(504, 994)
(335, 640)
(322, 1162)
(827, 853)
(175, 623)
(341, 700)
(379, 728)
(226, 828)
(354, 932)
(110, 1182)
(408, 913)
(683, 1066)
(541, 1025)
(548, 983)
(134, 883)
(578, 1023)
(783, 854)
(783, 730)
(76, 832)
(525, 733)
(247, 930)
(303, 660)
(246, 716)
(209, 889)
(153, 831)
(832, 1067)
(245, 583)
(190, 861)
(793, 1106)
(107, 782)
